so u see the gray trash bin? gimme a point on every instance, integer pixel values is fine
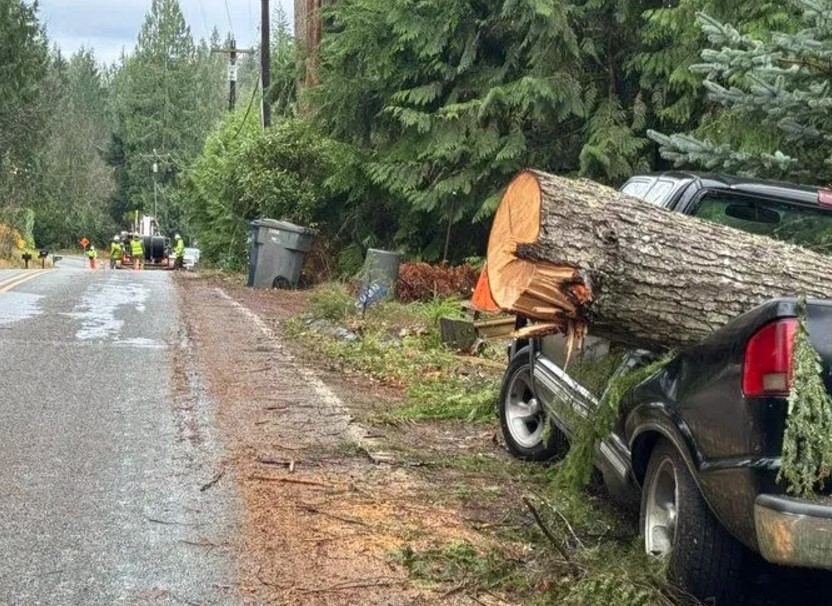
(277, 252)
(380, 274)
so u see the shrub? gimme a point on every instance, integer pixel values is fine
(331, 302)
(11, 242)
(21, 220)
(423, 282)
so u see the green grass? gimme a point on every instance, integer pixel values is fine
(461, 563)
(604, 567)
(331, 302)
(608, 575)
(451, 398)
(400, 345)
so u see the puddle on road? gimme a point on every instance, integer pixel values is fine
(16, 306)
(98, 307)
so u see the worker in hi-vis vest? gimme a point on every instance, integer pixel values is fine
(178, 252)
(93, 255)
(116, 252)
(137, 251)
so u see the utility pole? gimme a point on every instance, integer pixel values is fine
(232, 75)
(155, 188)
(232, 51)
(266, 61)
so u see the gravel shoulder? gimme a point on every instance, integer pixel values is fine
(333, 501)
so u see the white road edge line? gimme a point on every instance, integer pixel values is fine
(356, 432)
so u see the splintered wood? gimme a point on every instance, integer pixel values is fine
(573, 255)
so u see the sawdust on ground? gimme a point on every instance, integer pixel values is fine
(323, 517)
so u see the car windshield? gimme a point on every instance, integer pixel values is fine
(800, 225)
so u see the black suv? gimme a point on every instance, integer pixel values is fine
(697, 446)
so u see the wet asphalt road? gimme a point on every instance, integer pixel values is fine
(102, 457)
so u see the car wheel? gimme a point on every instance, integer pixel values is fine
(704, 560)
(523, 420)
(281, 283)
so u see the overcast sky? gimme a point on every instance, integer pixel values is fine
(110, 25)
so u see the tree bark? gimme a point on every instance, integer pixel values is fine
(578, 254)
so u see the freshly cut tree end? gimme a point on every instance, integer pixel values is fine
(535, 289)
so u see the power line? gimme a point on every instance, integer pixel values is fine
(248, 111)
(204, 19)
(230, 24)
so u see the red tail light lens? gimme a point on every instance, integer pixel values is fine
(767, 370)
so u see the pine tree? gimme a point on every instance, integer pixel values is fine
(23, 67)
(75, 181)
(285, 61)
(669, 45)
(160, 112)
(777, 86)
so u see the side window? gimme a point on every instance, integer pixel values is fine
(660, 192)
(805, 226)
(651, 190)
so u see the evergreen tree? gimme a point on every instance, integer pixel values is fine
(75, 181)
(776, 85)
(445, 99)
(161, 118)
(212, 80)
(23, 65)
(669, 46)
(285, 74)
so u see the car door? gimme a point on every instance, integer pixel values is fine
(568, 380)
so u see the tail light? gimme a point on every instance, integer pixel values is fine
(767, 369)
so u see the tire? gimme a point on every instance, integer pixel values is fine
(704, 560)
(528, 440)
(281, 283)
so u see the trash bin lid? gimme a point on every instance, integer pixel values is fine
(284, 226)
(382, 253)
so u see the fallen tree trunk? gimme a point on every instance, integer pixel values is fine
(576, 253)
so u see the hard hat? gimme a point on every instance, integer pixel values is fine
(177, 237)
(92, 247)
(135, 236)
(117, 239)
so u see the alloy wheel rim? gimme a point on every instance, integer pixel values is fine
(661, 514)
(524, 414)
